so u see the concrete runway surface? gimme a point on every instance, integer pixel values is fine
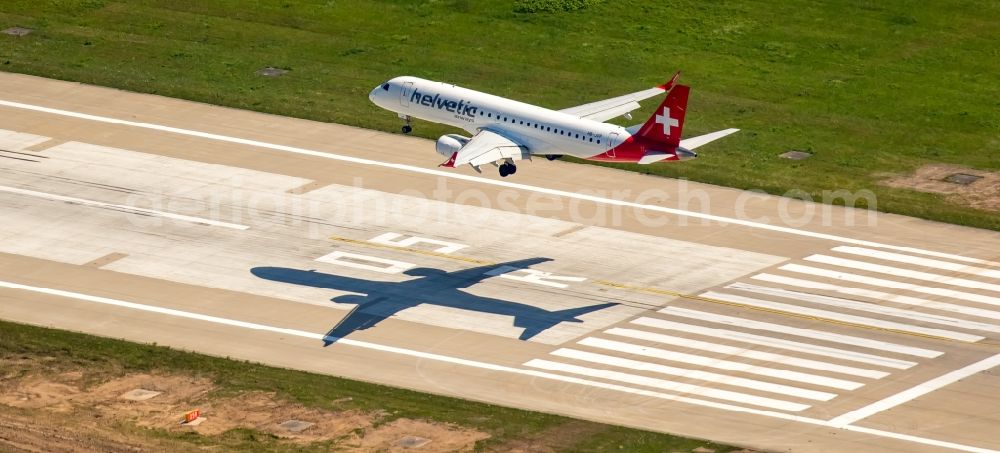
(660, 304)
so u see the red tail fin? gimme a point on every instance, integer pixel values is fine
(667, 122)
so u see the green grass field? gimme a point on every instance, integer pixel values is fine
(103, 359)
(870, 87)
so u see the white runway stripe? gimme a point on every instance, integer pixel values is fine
(672, 386)
(918, 261)
(837, 275)
(905, 273)
(694, 374)
(837, 316)
(720, 364)
(744, 353)
(888, 297)
(917, 391)
(808, 333)
(779, 343)
(866, 306)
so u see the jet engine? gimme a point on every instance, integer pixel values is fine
(450, 144)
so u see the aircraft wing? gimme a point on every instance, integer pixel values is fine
(487, 147)
(618, 106)
(471, 276)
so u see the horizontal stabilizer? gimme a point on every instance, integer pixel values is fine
(654, 156)
(694, 142)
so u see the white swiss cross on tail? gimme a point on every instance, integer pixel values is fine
(667, 121)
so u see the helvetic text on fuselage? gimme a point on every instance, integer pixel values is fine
(464, 110)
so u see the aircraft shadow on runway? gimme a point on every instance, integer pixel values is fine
(432, 286)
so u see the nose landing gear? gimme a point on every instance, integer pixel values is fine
(407, 128)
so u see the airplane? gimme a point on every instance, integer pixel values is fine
(505, 131)
(434, 286)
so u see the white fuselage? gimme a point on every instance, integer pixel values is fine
(541, 130)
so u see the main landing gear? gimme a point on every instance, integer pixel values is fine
(553, 156)
(507, 168)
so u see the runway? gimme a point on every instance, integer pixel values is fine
(661, 304)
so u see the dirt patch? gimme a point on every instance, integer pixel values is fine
(982, 194)
(173, 390)
(264, 412)
(64, 393)
(443, 437)
(50, 432)
(39, 393)
(59, 412)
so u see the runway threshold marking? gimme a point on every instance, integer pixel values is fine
(713, 300)
(901, 273)
(880, 295)
(664, 384)
(492, 182)
(893, 284)
(848, 426)
(624, 348)
(930, 332)
(101, 204)
(914, 260)
(752, 354)
(851, 304)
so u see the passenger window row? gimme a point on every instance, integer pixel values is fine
(538, 126)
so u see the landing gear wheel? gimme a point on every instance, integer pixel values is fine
(407, 128)
(507, 169)
(553, 156)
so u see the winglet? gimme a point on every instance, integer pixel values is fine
(670, 84)
(450, 163)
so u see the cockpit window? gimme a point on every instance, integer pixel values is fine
(385, 86)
